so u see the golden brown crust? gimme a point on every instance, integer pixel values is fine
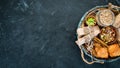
(99, 51)
(114, 50)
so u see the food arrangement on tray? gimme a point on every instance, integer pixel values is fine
(98, 34)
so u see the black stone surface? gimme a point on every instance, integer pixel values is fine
(41, 33)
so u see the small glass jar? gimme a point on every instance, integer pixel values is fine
(105, 17)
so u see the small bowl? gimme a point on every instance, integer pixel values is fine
(93, 21)
(110, 32)
(105, 17)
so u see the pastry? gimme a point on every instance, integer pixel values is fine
(114, 50)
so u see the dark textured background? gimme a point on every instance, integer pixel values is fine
(41, 33)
